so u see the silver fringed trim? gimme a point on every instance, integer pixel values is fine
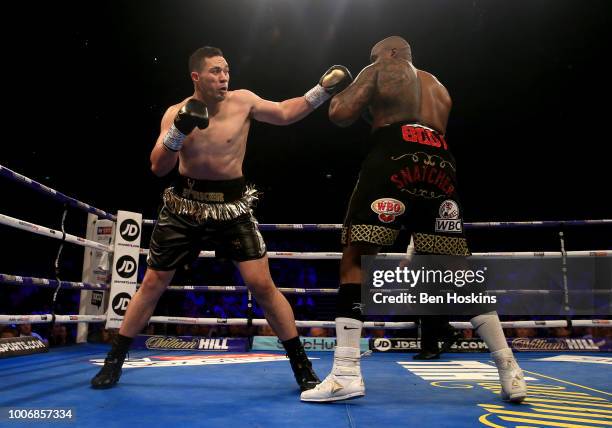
(201, 211)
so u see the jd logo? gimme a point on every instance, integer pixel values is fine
(120, 303)
(126, 266)
(129, 230)
(381, 344)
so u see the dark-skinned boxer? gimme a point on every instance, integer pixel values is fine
(407, 179)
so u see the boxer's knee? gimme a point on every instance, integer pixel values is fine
(263, 289)
(155, 283)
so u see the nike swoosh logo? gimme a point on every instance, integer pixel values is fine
(350, 328)
(479, 325)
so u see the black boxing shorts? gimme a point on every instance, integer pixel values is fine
(408, 179)
(199, 212)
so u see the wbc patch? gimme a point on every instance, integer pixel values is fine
(449, 220)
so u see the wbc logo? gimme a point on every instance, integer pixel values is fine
(387, 209)
(449, 220)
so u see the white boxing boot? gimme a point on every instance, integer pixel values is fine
(514, 388)
(343, 382)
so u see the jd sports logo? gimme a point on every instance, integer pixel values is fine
(120, 303)
(129, 230)
(126, 266)
(381, 344)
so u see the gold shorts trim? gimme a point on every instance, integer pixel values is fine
(202, 211)
(437, 244)
(378, 235)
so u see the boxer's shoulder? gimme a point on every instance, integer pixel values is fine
(242, 96)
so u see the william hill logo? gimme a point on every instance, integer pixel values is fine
(169, 343)
(553, 344)
(213, 344)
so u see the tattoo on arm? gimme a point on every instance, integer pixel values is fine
(348, 105)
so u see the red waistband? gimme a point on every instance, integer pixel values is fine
(417, 133)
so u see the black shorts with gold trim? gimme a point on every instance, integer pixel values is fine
(408, 180)
(200, 212)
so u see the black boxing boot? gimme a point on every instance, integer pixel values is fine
(305, 376)
(434, 354)
(429, 344)
(449, 337)
(109, 374)
(427, 354)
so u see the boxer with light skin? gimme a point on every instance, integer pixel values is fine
(206, 135)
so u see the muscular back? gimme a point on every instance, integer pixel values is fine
(404, 93)
(396, 94)
(394, 91)
(435, 102)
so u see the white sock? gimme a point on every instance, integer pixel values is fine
(348, 332)
(490, 330)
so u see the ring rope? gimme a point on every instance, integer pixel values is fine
(401, 256)
(460, 325)
(75, 203)
(51, 233)
(48, 318)
(44, 282)
(18, 178)
(467, 225)
(56, 263)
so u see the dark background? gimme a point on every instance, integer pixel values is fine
(85, 86)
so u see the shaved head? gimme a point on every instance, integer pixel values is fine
(391, 47)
